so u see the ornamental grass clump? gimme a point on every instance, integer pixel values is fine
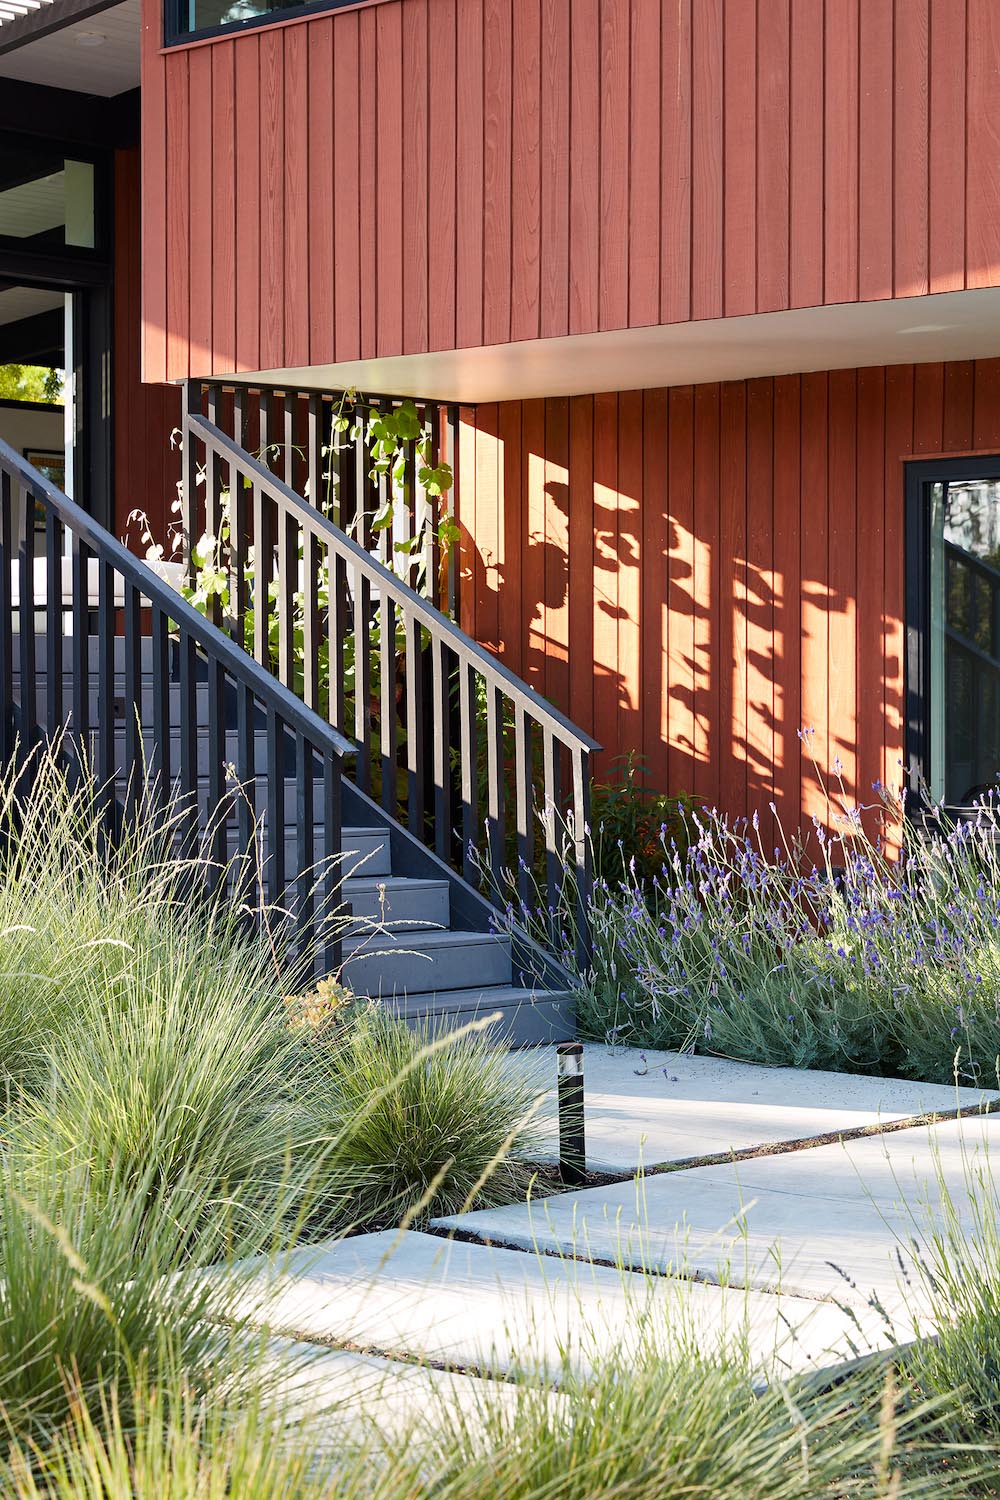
(825, 951)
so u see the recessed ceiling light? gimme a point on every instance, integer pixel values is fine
(90, 39)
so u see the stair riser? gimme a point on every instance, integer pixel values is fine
(421, 906)
(382, 973)
(543, 1023)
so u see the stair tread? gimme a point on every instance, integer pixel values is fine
(433, 938)
(392, 883)
(503, 994)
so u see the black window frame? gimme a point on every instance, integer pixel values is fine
(175, 36)
(99, 254)
(921, 474)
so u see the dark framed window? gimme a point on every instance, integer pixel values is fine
(190, 20)
(953, 630)
(53, 199)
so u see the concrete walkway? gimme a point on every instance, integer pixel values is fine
(803, 1260)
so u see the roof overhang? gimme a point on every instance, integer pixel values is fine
(86, 46)
(906, 330)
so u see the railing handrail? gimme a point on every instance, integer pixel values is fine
(453, 636)
(106, 547)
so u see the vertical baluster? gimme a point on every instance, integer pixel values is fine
(288, 570)
(217, 844)
(246, 792)
(274, 842)
(239, 415)
(263, 573)
(337, 637)
(239, 548)
(387, 699)
(134, 767)
(431, 508)
(187, 726)
(81, 646)
(314, 450)
(450, 605)
(160, 755)
(524, 802)
(265, 428)
(582, 852)
(415, 756)
(312, 625)
(496, 821)
(191, 520)
(362, 482)
(552, 772)
(288, 445)
(305, 844)
(106, 760)
(213, 507)
(28, 721)
(53, 623)
(6, 617)
(440, 717)
(362, 677)
(469, 750)
(332, 863)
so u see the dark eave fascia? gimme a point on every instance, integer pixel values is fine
(68, 117)
(49, 18)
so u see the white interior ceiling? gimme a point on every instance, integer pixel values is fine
(945, 326)
(18, 302)
(32, 207)
(96, 55)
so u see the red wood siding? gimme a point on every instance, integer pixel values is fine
(414, 174)
(697, 574)
(146, 467)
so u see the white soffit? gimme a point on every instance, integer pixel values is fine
(12, 10)
(98, 54)
(18, 302)
(910, 330)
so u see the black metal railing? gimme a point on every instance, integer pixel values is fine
(453, 744)
(163, 706)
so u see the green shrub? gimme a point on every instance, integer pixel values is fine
(634, 827)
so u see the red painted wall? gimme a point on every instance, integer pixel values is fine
(698, 573)
(146, 467)
(428, 174)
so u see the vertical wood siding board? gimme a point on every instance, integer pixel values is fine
(630, 547)
(840, 168)
(300, 206)
(739, 212)
(513, 603)
(658, 591)
(557, 551)
(581, 561)
(675, 132)
(898, 441)
(946, 210)
(223, 264)
(527, 564)
(759, 605)
(957, 421)
(986, 404)
(607, 687)
(370, 189)
(789, 519)
(584, 167)
(982, 245)
(246, 64)
(706, 591)
(806, 143)
(497, 81)
(441, 175)
(388, 204)
(928, 408)
(525, 217)
(706, 159)
(645, 168)
(684, 601)
(491, 464)
(870, 549)
(154, 204)
(815, 654)
(614, 160)
(910, 195)
(178, 183)
(555, 183)
(465, 512)
(272, 208)
(345, 168)
(876, 155)
(732, 622)
(469, 175)
(322, 172)
(413, 151)
(772, 156)
(200, 253)
(843, 697)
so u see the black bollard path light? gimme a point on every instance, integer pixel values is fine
(572, 1135)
